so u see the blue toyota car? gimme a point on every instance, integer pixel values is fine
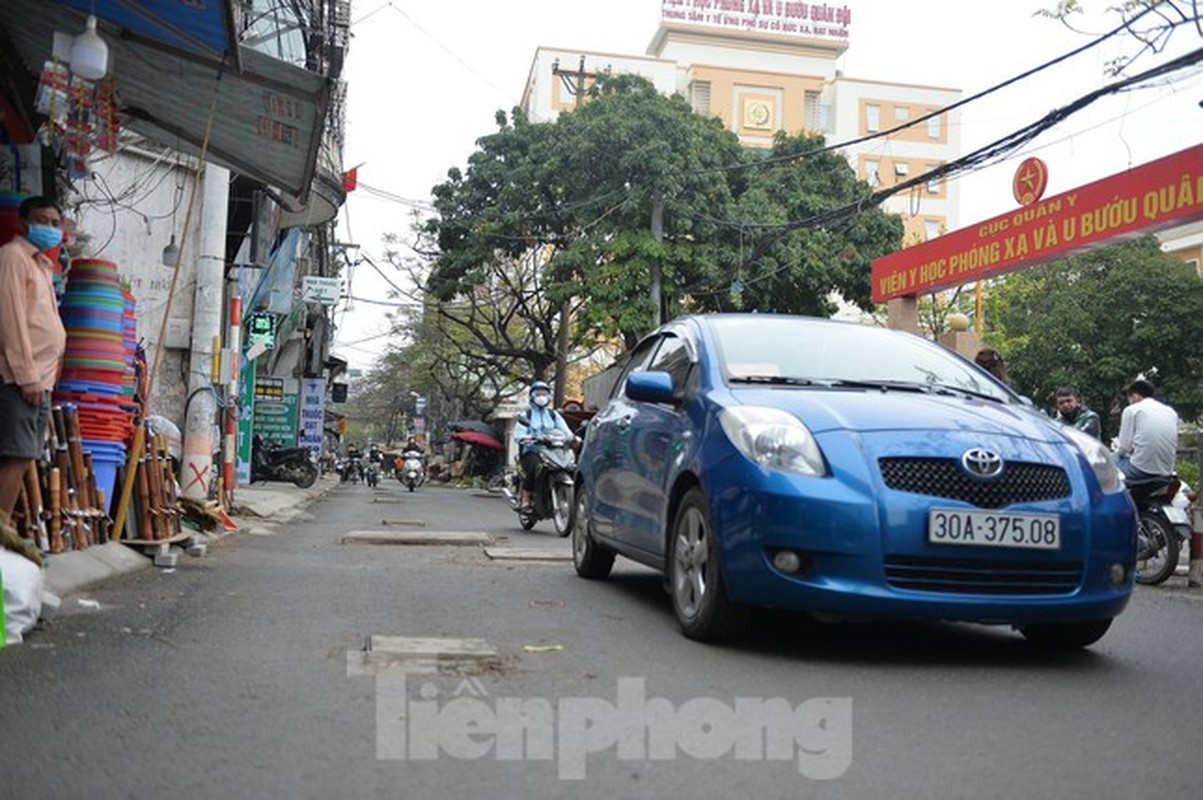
(851, 472)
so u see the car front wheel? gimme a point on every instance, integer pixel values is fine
(695, 576)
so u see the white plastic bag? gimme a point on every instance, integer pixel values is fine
(23, 586)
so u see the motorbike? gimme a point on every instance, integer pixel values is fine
(411, 472)
(371, 474)
(552, 495)
(1162, 527)
(351, 469)
(274, 463)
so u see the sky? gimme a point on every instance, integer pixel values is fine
(425, 80)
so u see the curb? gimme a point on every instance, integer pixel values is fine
(75, 571)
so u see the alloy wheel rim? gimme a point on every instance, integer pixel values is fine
(690, 582)
(580, 533)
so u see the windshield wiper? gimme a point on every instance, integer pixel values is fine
(774, 380)
(944, 388)
(904, 386)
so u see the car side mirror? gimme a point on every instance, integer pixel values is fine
(651, 387)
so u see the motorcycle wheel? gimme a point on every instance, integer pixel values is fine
(1161, 556)
(561, 508)
(305, 476)
(411, 485)
(527, 519)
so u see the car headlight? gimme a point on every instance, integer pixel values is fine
(1099, 458)
(773, 438)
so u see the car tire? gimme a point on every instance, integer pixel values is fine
(592, 560)
(1065, 635)
(695, 576)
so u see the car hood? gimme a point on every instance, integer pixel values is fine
(877, 411)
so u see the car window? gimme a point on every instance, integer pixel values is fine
(637, 362)
(797, 349)
(673, 357)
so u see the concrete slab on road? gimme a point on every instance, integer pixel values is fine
(415, 654)
(452, 538)
(528, 554)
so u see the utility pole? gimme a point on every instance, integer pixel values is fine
(574, 82)
(657, 276)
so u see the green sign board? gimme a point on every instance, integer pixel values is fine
(262, 329)
(276, 411)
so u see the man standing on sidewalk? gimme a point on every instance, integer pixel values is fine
(32, 341)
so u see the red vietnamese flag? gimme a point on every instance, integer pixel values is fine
(351, 178)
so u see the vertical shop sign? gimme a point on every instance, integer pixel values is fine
(246, 416)
(313, 414)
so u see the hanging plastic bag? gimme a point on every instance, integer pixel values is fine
(23, 584)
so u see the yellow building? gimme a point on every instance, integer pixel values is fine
(764, 67)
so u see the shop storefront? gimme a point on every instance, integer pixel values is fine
(148, 277)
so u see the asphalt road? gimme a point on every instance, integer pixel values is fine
(236, 676)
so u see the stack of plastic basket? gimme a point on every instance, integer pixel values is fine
(98, 364)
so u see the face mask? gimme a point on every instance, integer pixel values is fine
(541, 400)
(45, 237)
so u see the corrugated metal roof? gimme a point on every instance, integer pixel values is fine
(269, 115)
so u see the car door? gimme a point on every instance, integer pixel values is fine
(605, 436)
(655, 439)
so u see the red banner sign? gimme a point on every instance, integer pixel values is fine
(1148, 198)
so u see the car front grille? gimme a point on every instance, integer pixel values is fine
(1020, 482)
(979, 576)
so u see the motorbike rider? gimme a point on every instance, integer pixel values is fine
(541, 419)
(1148, 435)
(1073, 412)
(352, 464)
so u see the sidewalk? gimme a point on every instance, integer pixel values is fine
(254, 507)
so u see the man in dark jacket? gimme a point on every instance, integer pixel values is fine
(1071, 411)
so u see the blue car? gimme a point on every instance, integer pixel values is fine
(851, 472)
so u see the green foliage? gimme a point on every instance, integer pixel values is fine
(581, 191)
(1097, 320)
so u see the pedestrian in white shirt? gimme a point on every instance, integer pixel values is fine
(1148, 435)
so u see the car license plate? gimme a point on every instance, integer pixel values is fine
(993, 529)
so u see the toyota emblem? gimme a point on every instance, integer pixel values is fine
(982, 463)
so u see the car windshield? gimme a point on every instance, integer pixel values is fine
(810, 352)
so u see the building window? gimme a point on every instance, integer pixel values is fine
(567, 98)
(933, 127)
(873, 172)
(872, 117)
(817, 114)
(931, 228)
(901, 169)
(933, 184)
(902, 113)
(699, 97)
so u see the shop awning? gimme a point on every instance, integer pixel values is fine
(204, 30)
(269, 117)
(476, 437)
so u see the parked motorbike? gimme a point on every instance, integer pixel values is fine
(274, 463)
(1163, 526)
(552, 495)
(412, 473)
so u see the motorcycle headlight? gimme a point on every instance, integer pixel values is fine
(774, 439)
(1099, 458)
